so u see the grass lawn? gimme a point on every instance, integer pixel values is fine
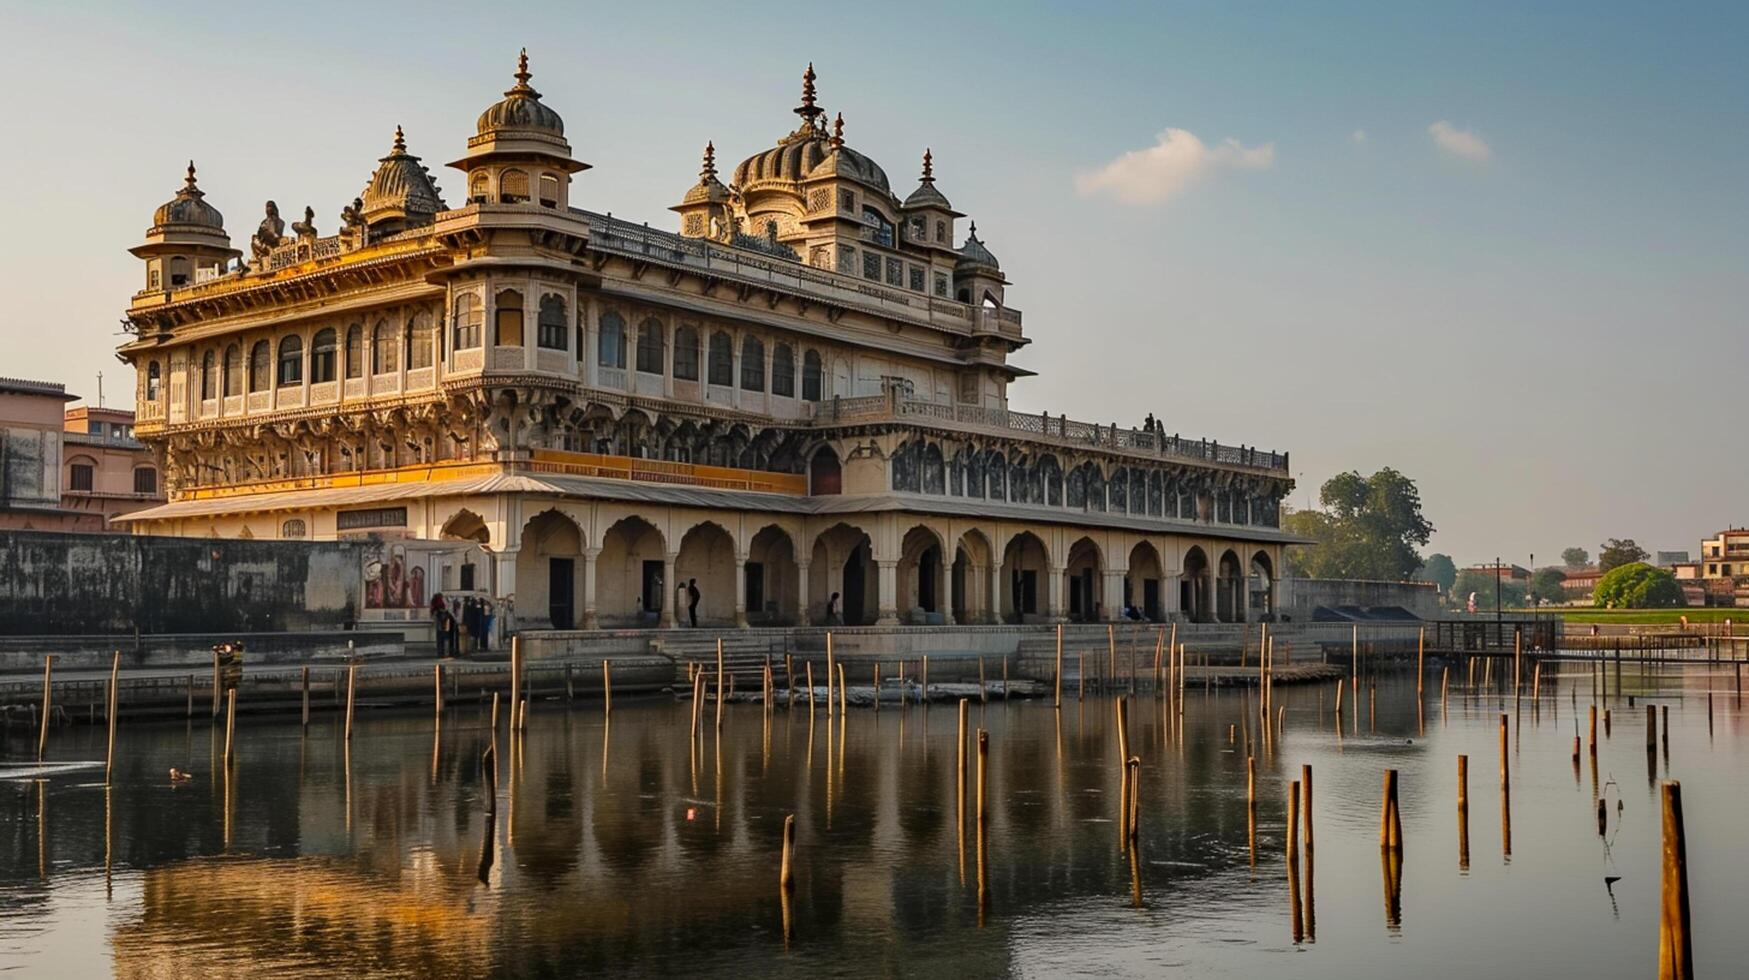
(1645, 617)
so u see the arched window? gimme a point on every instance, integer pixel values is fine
(903, 467)
(383, 349)
(783, 370)
(722, 360)
(650, 346)
(996, 469)
(1051, 475)
(208, 378)
(686, 353)
(553, 325)
(610, 346)
(82, 475)
(355, 351)
(882, 228)
(513, 187)
(974, 473)
(479, 188)
(321, 356)
(154, 380)
(419, 341)
(468, 320)
(145, 480)
(233, 371)
(752, 364)
(811, 376)
(549, 191)
(260, 366)
(291, 361)
(293, 528)
(507, 319)
(1119, 490)
(934, 476)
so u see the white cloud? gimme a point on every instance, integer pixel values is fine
(1359, 136)
(1177, 160)
(1460, 142)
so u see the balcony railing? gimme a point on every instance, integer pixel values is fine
(1044, 427)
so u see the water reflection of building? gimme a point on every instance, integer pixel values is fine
(805, 392)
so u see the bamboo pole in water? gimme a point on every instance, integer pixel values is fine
(983, 693)
(1123, 732)
(1390, 819)
(1536, 683)
(230, 724)
(1293, 823)
(924, 678)
(218, 685)
(1306, 800)
(1420, 659)
(960, 756)
(877, 685)
(1651, 729)
(1463, 811)
(351, 696)
(306, 696)
(1505, 792)
(114, 703)
(1593, 740)
(786, 878)
(829, 670)
(1111, 654)
(1059, 698)
(1133, 817)
(697, 702)
(843, 694)
(1675, 946)
(1081, 677)
(515, 676)
(42, 737)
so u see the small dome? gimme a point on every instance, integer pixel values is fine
(973, 254)
(808, 152)
(188, 207)
(926, 196)
(521, 108)
(400, 186)
(708, 190)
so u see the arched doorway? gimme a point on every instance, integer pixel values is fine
(1142, 585)
(969, 590)
(772, 578)
(549, 588)
(1025, 563)
(1193, 591)
(707, 562)
(1262, 586)
(1229, 579)
(1085, 582)
(920, 578)
(465, 525)
(825, 476)
(842, 563)
(629, 585)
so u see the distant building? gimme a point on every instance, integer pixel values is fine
(67, 469)
(1507, 572)
(1723, 568)
(1668, 558)
(1580, 582)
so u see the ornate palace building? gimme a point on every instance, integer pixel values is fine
(802, 394)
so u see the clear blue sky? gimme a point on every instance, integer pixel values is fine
(1500, 249)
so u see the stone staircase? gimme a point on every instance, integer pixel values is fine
(744, 657)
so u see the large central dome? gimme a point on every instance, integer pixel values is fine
(795, 156)
(521, 108)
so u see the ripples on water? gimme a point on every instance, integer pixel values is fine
(617, 850)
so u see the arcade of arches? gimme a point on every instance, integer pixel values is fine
(568, 564)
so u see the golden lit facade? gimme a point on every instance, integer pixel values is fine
(799, 401)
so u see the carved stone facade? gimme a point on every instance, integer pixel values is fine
(572, 413)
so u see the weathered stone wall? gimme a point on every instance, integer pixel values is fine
(68, 584)
(1301, 597)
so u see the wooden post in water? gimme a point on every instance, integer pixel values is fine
(1390, 819)
(218, 685)
(697, 702)
(877, 685)
(607, 690)
(1463, 812)
(494, 716)
(1005, 690)
(1133, 817)
(1123, 732)
(843, 693)
(960, 755)
(1675, 946)
(1059, 699)
(1505, 792)
(1080, 677)
(829, 670)
(230, 723)
(1159, 649)
(924, 678)
(1536, 683)
(306, 695)
(983, 693)
(1306, 799)
(1293, 824)
(786, 877)
(1420, 659)
(114, 703)
(1517, 660)
(1593, 740)
(1111, 653)
(983, 778)
(515, 676)
(436, 696)
(1651, 729)
(42, 737)
(1444, 684)
(351, 696)
(810, 670)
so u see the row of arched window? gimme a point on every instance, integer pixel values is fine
(919, 467)
(382, 351)
(513, 188)
(651, 357)
(552, 323)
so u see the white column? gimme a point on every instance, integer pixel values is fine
(1054, 593)
(993, 596)
(590, 620)
(1111, 603)
(671, 601)
(888, 593)
(504, 588)
(802, 617)
(740, 592)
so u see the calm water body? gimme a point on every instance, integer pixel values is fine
(619, 851)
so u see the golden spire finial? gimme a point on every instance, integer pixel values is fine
(522, 73)
(400, 140)
(928, 167)
(189, 180)
(709, 173)
(838, 131)
(808, 110)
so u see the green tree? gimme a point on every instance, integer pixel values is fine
(1617, 552)
(1547, 585)
(1575, 557)
(1369, 529)
(1440, 570)
(1482, 584)
(1638, 585)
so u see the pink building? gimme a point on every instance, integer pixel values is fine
(68, 469)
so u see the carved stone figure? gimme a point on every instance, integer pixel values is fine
(270, 233)
(307, 227)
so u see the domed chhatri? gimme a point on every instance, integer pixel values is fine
(974, 255)
(708, 189)
(796, 156)
(188, 208)
(521, 108)
(401, 191)
(926, 195)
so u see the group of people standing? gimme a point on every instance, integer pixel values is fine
(463, 625)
